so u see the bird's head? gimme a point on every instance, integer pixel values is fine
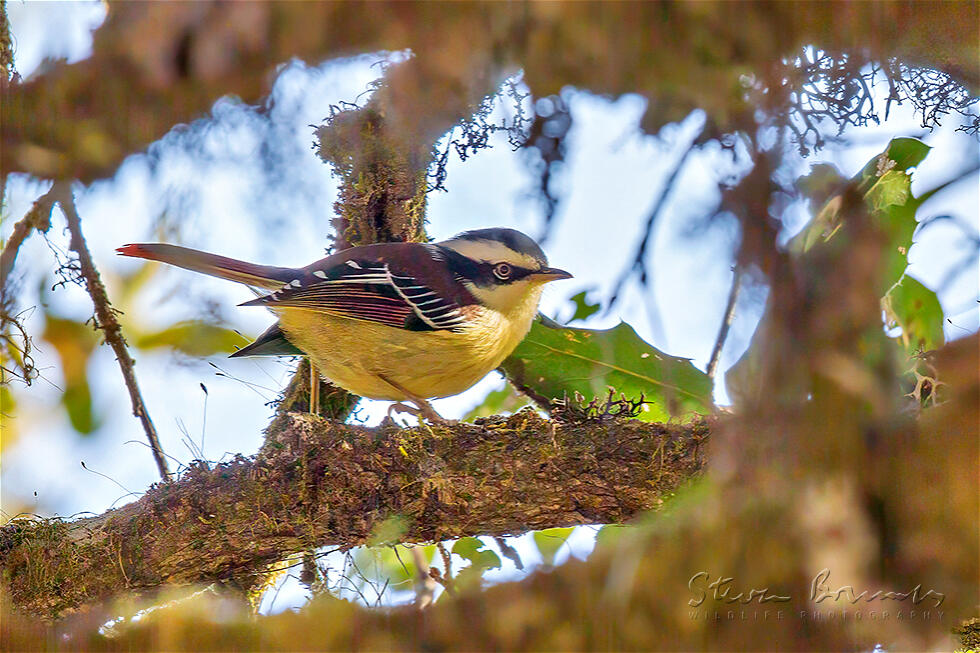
(503, 268)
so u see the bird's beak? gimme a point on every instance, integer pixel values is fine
(544, 275)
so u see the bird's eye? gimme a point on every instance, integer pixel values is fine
(502, 271)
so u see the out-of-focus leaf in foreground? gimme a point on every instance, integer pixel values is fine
(552, 363)
(886, 183)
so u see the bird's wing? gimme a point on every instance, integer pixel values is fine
(365, 288)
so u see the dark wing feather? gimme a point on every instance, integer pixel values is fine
(271, 343)
(369, 290)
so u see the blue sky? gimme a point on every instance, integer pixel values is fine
(220, 195)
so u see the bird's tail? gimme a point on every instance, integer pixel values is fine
(250, 274)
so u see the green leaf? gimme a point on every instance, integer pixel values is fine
(193, 337)
(393, 566)
(471, 548)
(551, 363)
(916, 309)
(886, 185)
(583, 308)
(550, 541)
(892, 189)
(77, 400)
(900, 155)
(907, 152)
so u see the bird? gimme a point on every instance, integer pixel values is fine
(402, 322)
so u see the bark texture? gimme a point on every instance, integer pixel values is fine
(319, 483)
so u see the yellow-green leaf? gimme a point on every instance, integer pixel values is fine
(550, 541)
(193, 337)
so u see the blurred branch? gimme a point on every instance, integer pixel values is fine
(318, 483)
(425, 585)
(162, 64)
(15, 342)
(726, 322)
(105, 319)
(39, 217)
(639, 259)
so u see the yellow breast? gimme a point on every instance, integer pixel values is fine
(356, 354)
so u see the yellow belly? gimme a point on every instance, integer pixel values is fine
(356, 354)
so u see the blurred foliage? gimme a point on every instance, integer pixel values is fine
(550, 541)
(480, 558)
(584, 309)
(171, 61)
(389, 531)
(9, 432)
(498, 402)
(554, 363)
(74, 343)
(376, 569)
(817, 465)
(885, 183)
(191, 337)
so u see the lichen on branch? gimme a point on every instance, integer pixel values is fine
(319, 483)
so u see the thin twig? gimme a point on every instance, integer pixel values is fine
(106, 319)
(39, 217)
(726, 322)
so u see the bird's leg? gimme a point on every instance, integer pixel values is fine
(399, 407)
(424, 408)
(314, 389)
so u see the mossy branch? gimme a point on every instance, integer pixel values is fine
(318, 483)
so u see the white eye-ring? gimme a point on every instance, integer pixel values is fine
(502, 271)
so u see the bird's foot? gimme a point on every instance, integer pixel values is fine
(422, 410)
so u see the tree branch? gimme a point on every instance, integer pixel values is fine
(639, 265)
(39, 217)
(105, 317)
(726, 322)
(318, 483)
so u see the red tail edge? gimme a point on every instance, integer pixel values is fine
(132, 250)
